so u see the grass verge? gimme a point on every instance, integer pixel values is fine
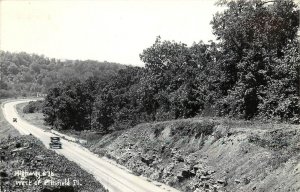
(6, 130)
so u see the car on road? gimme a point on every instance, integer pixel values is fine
(55, 143)
(14, 119)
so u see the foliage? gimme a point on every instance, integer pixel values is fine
(253, 37)
(6, 93)
(26, 74)
(252, 71)
(69, 105)
(281, 97)
(173, 82)
(33, 106)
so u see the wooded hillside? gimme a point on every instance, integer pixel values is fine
(23, 74)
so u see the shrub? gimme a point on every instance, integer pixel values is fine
(33, 106)
(6, 93)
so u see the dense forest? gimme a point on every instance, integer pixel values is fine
(23, 74)
(252, 71)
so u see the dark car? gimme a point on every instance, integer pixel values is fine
(55, 143)
(14, 119)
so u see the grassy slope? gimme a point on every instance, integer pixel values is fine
(34, 118)
(38, 120)
(207, 154)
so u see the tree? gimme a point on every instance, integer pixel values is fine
(252, 35)
(51, 107)
(105, 111)
(176, 75)
(281, 98)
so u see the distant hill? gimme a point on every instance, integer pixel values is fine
(23, 74)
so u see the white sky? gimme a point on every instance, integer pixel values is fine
(115, 31)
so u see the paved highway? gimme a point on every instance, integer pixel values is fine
(109, 175)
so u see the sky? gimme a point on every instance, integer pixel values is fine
(103, 30)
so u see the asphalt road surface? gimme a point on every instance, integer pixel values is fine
(109, 175)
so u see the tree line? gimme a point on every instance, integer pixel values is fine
(251, 71)
(23, 74)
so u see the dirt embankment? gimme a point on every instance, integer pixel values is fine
(210, 155)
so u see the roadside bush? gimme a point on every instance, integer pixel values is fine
(6, 94)
(33, 106)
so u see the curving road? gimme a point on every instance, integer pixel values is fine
(110, 176)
